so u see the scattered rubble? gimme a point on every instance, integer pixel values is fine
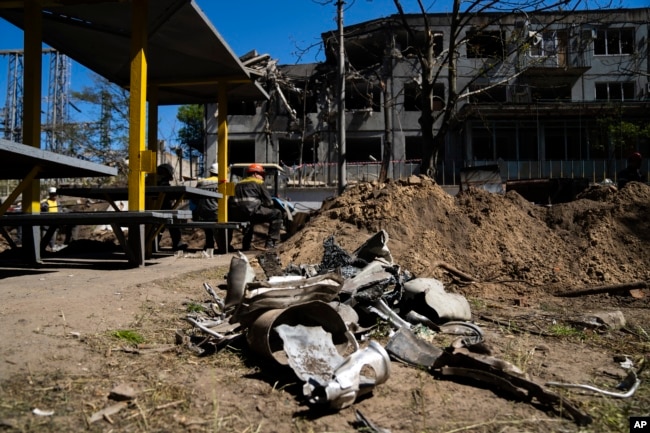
(294, 320)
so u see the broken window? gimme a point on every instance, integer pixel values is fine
(409, 47)
(487, 94)
(413, 94)
(552, 92)
(242, 108)
(362, 96)
(544, 44)
(293, 152)
(615, 91)
(485, 44)
(528, 142)
(413, 148)
(302, 102)
(502, 140)
(241, 151)
(362, 149)
(610, 42)
(482, 144)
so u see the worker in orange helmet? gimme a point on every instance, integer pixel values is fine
(254, 203)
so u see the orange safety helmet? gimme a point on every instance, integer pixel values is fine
(255, 168)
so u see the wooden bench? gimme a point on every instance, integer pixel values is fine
(222, 226)
(134, 247)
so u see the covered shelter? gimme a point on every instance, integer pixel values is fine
(166, 52)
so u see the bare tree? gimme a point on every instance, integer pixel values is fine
(434, 68)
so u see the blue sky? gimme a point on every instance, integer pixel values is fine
(281, 28)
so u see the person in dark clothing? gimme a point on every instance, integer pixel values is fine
(207, 208)
(165, 175)
(254, 203)
(631, 173)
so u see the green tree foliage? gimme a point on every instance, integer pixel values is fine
(191, 134)
(624, 136)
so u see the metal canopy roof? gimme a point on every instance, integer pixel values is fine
(19, 159)
(185, 54)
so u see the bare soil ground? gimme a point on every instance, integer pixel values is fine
(63, 350)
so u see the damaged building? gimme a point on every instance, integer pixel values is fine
(542, 95)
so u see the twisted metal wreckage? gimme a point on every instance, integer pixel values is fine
(310, 318)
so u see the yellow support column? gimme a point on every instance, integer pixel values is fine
(32, 93)
(138, 157)
(222, 150)
(137, 104)
(32, 117)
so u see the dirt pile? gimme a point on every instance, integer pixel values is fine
(598, 239)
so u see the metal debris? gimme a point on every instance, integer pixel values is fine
(347, 383)
(631, 377)
(365, 425)
(239, 275)
(310, 319)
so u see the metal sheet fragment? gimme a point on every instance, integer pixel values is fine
(375, 247)
(263, 339)
(447, 306)
(347, 383)
(405, 346)
(239, 275)
(310, 351)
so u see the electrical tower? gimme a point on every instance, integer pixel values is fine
(57, 102)
(13, 109)
(57, 99)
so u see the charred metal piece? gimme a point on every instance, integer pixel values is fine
(334, 256)
(373, 248)
(472, 332)
(507, 377)
(364, 424)
(405, 346)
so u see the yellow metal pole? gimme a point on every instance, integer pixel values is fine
(137, 104)
(222, 150)
(32, 93)
(152, 128)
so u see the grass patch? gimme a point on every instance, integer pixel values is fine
(128, 336)
(193, 307)
(560, 330)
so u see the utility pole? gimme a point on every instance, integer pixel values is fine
(341, 102)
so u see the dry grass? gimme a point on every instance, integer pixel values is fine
(231, 392)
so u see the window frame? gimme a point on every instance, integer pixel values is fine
(626, 89)
(606, 38)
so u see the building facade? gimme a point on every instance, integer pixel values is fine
(542, 95)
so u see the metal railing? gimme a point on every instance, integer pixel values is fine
(326, 174)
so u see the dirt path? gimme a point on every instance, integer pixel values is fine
(69, 297)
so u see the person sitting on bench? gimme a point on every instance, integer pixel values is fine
(254, 203)
(165, 175)
(207, 209)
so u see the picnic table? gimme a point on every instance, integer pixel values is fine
(135, 250)
(158, 193)
(26, 164)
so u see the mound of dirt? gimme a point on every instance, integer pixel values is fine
(596, 240)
